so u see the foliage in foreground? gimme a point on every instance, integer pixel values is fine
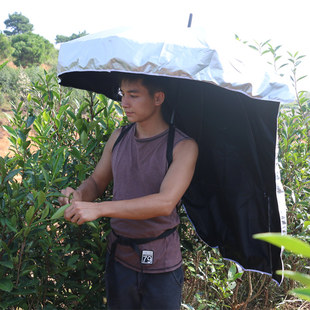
(298, 247)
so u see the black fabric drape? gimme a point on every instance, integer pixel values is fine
(233, 192)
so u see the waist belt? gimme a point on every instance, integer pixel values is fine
(134, 242)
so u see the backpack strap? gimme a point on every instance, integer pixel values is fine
(124, 130)
(169, 152)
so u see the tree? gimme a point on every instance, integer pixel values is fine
(5, 46)
(30, 49)
(62, 39)
(18, 24)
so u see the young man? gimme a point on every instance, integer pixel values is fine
(144, 265)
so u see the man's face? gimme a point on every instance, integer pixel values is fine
(137, 102)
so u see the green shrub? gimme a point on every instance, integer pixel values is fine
(294, 156)
(55, 143)
(30, 49)
(8, 84)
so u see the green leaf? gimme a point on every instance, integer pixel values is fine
(92, 224)
(47, 129)
(72, 260)
(41, 198)
(290, 243)
(26, 231)
(45, 212)
(71, 114)
(10, 130)
(303, 293)
(266, 42)
(58, 162)
(12, 174)
(46, 116)
(60, 212)
(254, 47)
(279, 46)
(30, 120)
(84, 138)
(12, 224)
(76, 153)
(301, 78)
(29, 214)
(62, 110)
(79, 124)
(301, 56)
(7, 264)
(6, 285)
(60, 180)
(119, 109)
(3, 64)
(297, 276)
(45, 175)
(283, 66)
(83, 106)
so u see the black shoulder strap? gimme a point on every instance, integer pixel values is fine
(169, 152)
(124, 130)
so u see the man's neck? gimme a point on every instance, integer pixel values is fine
(151, 128)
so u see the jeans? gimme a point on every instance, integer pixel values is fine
(130, 290)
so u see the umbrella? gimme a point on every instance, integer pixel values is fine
(226, 99)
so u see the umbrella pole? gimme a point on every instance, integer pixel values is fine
(189, 24)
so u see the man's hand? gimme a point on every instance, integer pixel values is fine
(69, 195)
(80, 212)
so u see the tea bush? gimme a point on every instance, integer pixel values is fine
(55, 142)
(294, 160)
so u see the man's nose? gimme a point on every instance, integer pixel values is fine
(124, 102)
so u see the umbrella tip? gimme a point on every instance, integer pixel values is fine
(189, 24)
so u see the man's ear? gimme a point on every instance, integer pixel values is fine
(159, 98)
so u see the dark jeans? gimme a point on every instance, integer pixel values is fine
(130, 290)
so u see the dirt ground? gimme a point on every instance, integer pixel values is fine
(4, 142)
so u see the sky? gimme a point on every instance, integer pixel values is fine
(284, 22)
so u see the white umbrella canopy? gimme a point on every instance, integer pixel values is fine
(189, 54)
(223, 96)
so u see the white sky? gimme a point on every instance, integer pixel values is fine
(285, 22)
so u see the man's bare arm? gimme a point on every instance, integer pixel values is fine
(173, 187)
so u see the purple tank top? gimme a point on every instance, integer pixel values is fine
(139, 167)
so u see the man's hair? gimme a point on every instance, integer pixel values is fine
(152, 83)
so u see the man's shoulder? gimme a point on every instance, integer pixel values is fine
(119, 134)
(181, 136)
(184, 142)
(187, 143)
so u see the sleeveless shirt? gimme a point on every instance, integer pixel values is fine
(139, 167)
